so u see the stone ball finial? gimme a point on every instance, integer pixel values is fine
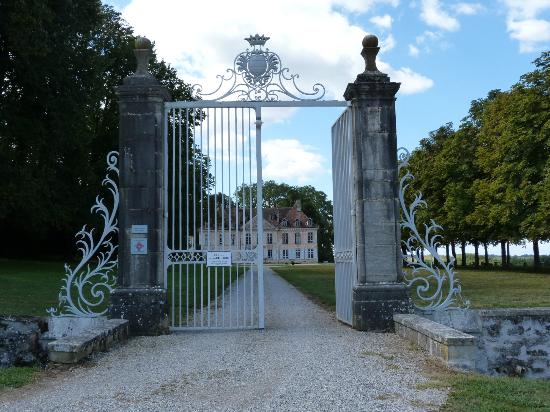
(369, 52)
(142, 51)
(142, 43)
(370, 40)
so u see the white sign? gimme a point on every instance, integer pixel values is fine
(139, 228)
(218, 258)
(138, 246)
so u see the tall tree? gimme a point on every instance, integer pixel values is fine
(60, 62)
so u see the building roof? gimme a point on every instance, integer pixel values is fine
(275, 216)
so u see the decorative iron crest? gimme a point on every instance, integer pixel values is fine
(85, 287)
(258, 75)
(435, 281)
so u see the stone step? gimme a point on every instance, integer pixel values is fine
(457, 349)
(71, 349)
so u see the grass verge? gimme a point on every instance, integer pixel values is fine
(15, 377)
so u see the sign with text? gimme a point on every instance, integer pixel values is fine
(139, 228)
(218, 258)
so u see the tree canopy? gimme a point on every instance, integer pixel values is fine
(488, 181)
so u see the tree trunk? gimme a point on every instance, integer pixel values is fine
(486, 254)
(536, 255)
(453, 250)
(508, 254)
(476, 256)
(463, 251)
(447, 253)
(503, 253)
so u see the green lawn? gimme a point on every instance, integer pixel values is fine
(469, 392)
(16, 377)
(29, 287)
(485, 289)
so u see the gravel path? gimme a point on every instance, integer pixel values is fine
(304, 361)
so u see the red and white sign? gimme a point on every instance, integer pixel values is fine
(138, 246)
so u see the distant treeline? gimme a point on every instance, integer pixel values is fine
(487, 182)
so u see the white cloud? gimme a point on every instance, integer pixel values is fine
(413, 50)
(289, 160)
(411, 82)
(524, 24)
(387, 44)
(318, 40)
(468, 9)
(433, 15)
(532, 34)
(384, 21)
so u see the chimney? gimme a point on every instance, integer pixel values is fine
(298, 205)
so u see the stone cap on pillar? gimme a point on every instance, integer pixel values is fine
(142, 52)
(372, 82)
(142, 83)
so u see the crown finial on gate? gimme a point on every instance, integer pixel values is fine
(142, 51)
(369, 52)
(257, 40)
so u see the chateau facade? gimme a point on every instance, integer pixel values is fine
(289, 235)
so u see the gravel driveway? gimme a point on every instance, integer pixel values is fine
(304, 361)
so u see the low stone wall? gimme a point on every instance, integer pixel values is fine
(513, 342)
(20, 340)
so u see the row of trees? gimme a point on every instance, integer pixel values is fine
(60, 62)
(488, 180)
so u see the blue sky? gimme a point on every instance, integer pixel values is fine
(445, 54)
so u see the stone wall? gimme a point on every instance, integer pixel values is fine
(513, 342)
(20, 340)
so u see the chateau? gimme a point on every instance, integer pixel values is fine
(289, 235)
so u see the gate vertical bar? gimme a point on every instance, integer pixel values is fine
(259, 218)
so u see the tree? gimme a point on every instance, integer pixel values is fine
(60, 63)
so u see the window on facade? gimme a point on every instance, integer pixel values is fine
(270, 238)
(248, 239)
(309, 237)
(220, 239)
(269, 254)
(297, 238)
(285, 253)
(310, 253)
(285, 238)
(298, 254)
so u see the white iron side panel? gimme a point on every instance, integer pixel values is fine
(344, 225)
(212, 192)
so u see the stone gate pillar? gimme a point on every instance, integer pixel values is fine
(141, 295)
(379, 293)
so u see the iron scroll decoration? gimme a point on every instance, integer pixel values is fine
(434, 282)
(258, 75)
(86, 287)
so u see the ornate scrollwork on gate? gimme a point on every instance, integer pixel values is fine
(258, 75)
(187, 256)
(86, 287)
(246, 256)
(434, 281)
(343, 256)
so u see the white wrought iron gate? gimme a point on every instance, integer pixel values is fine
(213, 193)
(344, 219)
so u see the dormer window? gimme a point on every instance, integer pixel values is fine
(297, 223)
(274, 216)
(284, 223)
(309, 222)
